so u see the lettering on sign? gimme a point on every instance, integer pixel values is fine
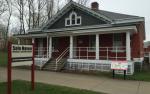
(119, 65)
(21, 55)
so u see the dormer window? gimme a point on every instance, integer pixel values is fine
(73, 19)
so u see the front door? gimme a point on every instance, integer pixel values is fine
(59, 44)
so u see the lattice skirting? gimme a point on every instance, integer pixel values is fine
(103, 67)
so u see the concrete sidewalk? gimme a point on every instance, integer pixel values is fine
(100, 84)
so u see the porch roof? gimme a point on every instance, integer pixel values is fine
(85, 30)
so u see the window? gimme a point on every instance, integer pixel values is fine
(68, 21)
(73, 19)
(117, 42)
(79, 20)
(92, 43)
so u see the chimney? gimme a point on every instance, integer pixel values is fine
(94, 6)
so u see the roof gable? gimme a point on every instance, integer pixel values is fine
(85, 20)
(69, 7)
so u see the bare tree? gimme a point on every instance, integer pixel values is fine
(58, 6)
(20, 4)
(49, 8)
(41, 5)
(83, 2)
(9, 8)
(2, 7)
(68, 1)
(29, 15)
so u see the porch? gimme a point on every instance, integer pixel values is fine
(85, 52)
(92, 47)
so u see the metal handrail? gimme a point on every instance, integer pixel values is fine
(61, 56)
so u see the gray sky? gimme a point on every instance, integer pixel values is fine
(131, 7)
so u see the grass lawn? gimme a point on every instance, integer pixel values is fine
(142, 76)
(23, 87)
(3, 58)
(139, 76)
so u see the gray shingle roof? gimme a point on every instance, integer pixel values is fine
(115, 16)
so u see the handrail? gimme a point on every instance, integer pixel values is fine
(61, 56)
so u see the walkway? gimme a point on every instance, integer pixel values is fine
(106, 85)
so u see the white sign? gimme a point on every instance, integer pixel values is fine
(119, 65)
(21, 55)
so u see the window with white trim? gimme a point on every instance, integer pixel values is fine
(117, 42)
(73, 19)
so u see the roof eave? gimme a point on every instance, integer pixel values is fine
(129, 20)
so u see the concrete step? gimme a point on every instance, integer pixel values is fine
(51, 65)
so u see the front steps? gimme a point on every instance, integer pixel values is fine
(51, 65)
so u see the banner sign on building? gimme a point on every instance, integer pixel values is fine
(119, 65)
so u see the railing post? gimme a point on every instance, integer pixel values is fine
(79, 52)
(116, 52)
(107, 53)
(87, 53)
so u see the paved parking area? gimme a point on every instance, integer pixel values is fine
(94, 83)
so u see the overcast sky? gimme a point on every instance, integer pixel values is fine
(131, 7)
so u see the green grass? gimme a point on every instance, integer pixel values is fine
(142, 76)
(23, 87)
(3, 58)
(138, 76)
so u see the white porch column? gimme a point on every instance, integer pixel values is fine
(71, 47)
(128, 47)
(97, 46)
(47, 48)
(33, 40)
(50, 47)
(18, 41)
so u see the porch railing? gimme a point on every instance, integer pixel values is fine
(41, 52)
(147, 55)
(102, 65)
(106, 53)
(41, 56)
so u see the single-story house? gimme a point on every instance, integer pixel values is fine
(88, 39)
